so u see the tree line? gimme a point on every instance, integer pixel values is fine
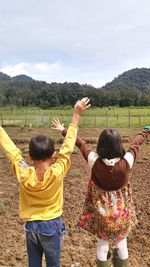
(44, 95)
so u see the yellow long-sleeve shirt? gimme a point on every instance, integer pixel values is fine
(40, 200)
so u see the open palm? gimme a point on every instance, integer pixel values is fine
(57, 125)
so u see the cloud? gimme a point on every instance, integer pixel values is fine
(56, 72)
(13, 70)
(84, 41)
(33, 69)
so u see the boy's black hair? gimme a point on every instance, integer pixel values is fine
(109, 145)
(41, 147)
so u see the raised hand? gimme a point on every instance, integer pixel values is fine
(79, 107)
(57, 125)
(82, 105)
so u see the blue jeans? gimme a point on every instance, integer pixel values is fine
(44, 237)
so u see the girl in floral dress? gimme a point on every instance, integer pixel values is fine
(108, 210)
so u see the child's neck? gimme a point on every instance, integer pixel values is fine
(41, 167)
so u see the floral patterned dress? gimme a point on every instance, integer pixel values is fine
(109, 215)
(108, 210)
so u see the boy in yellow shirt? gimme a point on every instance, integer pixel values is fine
(41, 189)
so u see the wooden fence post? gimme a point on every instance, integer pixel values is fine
(14, 113)
(117, 119)
(43, 120)
(129, 118)
(50, 119)
(95, 121)
(107, 119)
(25, 119)
(139, 119)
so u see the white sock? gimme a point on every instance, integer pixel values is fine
(122, 249)
(102, 249)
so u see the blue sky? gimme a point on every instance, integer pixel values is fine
(85, 41)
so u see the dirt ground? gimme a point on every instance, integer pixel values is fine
(78, 245)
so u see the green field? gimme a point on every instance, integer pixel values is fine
(94, 117)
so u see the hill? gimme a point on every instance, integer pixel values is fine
(6, 78)
(22, 77)
(138, 78)
(131, 88)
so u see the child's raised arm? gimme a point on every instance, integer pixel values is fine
(79, 107)
(8, 147)
(63, 161)
(134, 147)
(138, 141)
(80, 143)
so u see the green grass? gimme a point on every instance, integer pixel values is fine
(93, 117)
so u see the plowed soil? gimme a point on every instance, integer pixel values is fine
(79, 247)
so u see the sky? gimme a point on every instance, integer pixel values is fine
(84, 41)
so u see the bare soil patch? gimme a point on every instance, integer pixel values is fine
(78, 245)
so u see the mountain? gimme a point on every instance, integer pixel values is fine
(138, 78)
(134, 79)
(4, 77)
(131, 88)
(22, 77)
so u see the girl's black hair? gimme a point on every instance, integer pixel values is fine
(109, 145)
(41, 147)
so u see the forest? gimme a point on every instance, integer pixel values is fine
(131, 88)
